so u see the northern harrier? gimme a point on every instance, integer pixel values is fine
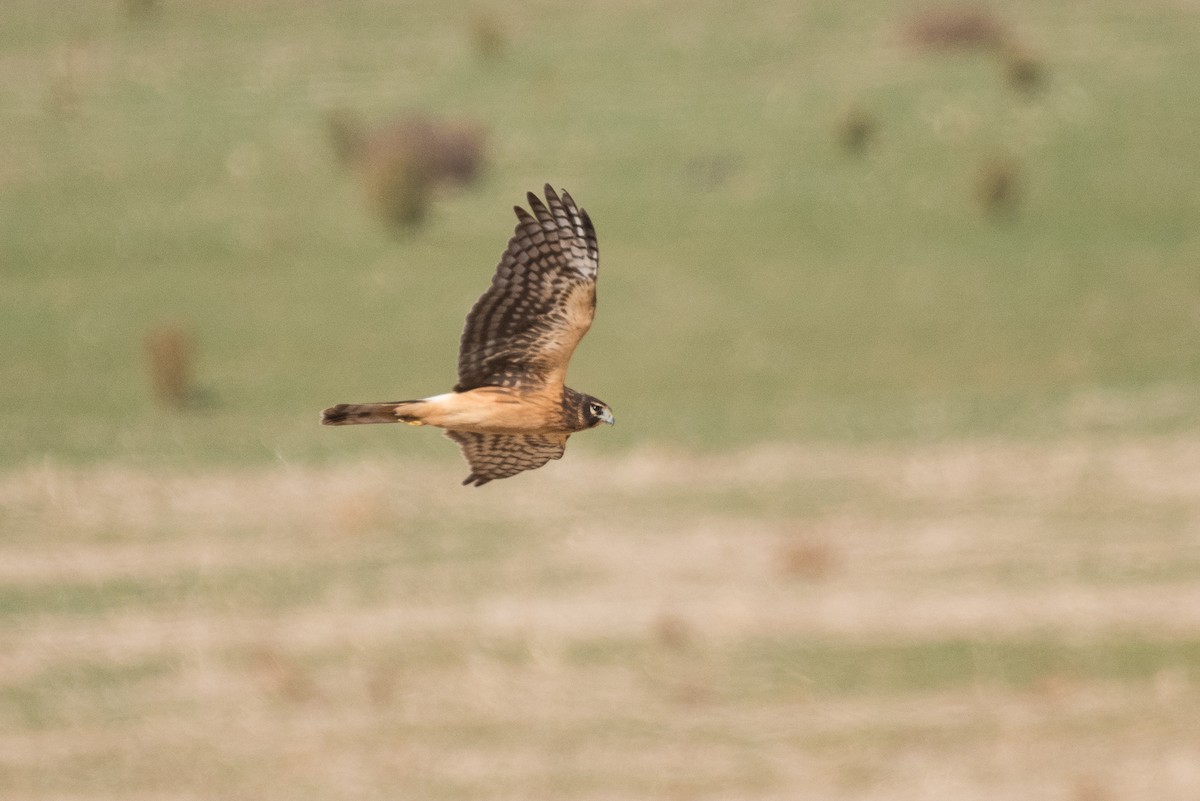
(511, 410)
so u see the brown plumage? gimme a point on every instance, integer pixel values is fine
(510, 410)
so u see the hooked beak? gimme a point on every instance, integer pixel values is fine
(606, 417)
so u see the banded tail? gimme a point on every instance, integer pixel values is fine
(349, 414)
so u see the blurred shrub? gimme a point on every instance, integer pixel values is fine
(402, 162)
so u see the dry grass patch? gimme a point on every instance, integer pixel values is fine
(988, 620)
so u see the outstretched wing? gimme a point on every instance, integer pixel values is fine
(522, 331)
(493, 456)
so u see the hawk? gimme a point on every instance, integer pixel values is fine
(511, 410)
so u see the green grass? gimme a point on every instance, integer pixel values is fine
(778, 668)
(232, 602)
(83, 693)
(175, 169)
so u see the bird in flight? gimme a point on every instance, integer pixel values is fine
(511, 409)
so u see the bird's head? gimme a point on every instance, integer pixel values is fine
(596, 411)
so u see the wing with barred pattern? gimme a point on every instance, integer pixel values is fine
(493, 456)
(522, 331)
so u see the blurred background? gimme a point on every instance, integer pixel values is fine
(898, 315)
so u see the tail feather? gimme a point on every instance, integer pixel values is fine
(347, 414)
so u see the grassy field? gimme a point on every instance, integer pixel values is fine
(904, 497)
(983, 621)
(758, 282)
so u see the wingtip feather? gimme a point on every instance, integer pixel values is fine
(540, 210)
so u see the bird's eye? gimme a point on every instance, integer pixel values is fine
(595, 409)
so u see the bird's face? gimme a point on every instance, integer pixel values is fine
(597, 412)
